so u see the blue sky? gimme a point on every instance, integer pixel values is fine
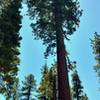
(32, 58)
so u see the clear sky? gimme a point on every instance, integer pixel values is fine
(32, 58)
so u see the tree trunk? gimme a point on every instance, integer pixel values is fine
(77, 97)
(63, 81)
(29, 93)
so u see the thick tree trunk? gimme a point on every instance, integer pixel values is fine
(63, 81)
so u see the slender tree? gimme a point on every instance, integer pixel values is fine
(47, 83)
(77, 88)
(10, 24)
(43, 88)
(96, 51)
(29, 85)
(54, 20)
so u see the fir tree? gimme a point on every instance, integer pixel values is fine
(96, 52)
(77, 88)
(10, 24)
(29, 86)
(54, 21)
(16, 90)
(42, 89)
(84, 97)
(46, 87)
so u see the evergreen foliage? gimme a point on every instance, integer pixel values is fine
(54, 20)
(46, 87)
(44, 13)
(77, 88)
(96, 51)
(10, 24)
(29, 86)
(16, 87)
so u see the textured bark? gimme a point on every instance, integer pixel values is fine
(63, 81)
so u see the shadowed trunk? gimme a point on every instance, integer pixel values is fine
(63, 81)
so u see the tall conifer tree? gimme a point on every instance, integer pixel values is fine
(54, 21)
(46, 87)
(29, 85)
(96, 52)
(77, 88)
(10, 24)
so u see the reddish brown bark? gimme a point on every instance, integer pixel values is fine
(63, 81)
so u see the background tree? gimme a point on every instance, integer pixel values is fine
(10, 24)
(29, 86)
(84, 97)
(16, 90)
(54, 21)
(77, 88)
(46, 87)
(96, 51)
